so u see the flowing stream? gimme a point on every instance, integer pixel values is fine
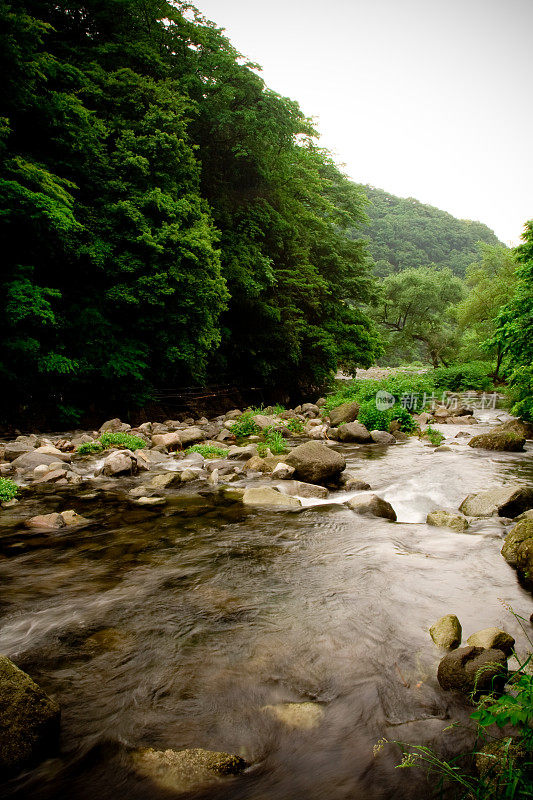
(175, 627)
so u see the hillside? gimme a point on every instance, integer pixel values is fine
(405, 233)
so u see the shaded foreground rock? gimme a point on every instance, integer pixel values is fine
(29, 720)
(315, 462)
(492, 639)
(522, 531)
(443, 519)
(506, 501)
(185, 770)
(373, 505)
(447, 632)
(472, 669)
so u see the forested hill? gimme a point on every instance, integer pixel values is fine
(405, 233)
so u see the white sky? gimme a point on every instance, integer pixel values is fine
(424, 98)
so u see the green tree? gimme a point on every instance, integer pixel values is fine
(415, 309)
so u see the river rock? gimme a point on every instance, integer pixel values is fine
(257, 464)
(54, 521)
(302, 716)
(283, 471)
(168, 440)
(447, 632)
(153, 501)
(315, 462)
(382, 437)
(264, 421)
(242, 453)
(53, 451)
(191, 435)
(120, 462)
(347, 412)
(13, 450)
(443, 519)
(525, 515)
(185, 770)
(373, 505)
(268, 496)
(303, 489)
(354, 432)
(114, 426)
(472, 669)
(165, 480)
(506, 501)
(29, 461)
(524, 561)
(519, 426)
(29, 720)
(522, 531)
(499, 440)
(492, 639)
(50, 475)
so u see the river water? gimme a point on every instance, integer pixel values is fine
(173, 628)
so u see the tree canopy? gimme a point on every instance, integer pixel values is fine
(165, 217)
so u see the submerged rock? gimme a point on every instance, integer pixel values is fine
(373, 505)
(315, 462)
(185, 770)
(447, 632)
(267, 496)
(304, 716)
(492, 639)
(472, 669)
(506, 501)
(443, 519)
(29, 720)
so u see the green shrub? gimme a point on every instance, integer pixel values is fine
(463, 377)
(374, 419)
(403, 416)
(89, 447)
(520, 392)
(8, 490)
(245, 425)
(208, 450)
(127, 440)
(274, 440)
(435, 437)
(295, 425)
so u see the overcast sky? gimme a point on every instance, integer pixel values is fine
(423, 98)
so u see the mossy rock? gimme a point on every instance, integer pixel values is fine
(185, 770)
(522, 531)
(443, 519)
(447, 632)
(499, 440)
(29, 720)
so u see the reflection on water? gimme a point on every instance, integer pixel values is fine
(173, 629)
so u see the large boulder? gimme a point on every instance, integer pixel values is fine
(29, 720)
(492, 639)
(267, 496)
(315, 462)
(373, 505)
(354, 432)
(473, 669)
(169, 440)
(506, 501)
(114, 426)
(519, 426)
(443, 519)
(29, 461)
(382, 437)
(447, 632)
(185, 770)
(522, 531)
(13, 450)
(347, 412)
(499, 440)
(191, 435)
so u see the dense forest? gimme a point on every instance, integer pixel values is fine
(165, 217)
(404, 233)
(167, 220)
